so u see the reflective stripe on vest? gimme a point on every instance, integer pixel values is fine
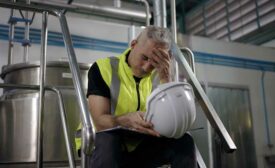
(115, 84)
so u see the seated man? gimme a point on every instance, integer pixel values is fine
(117, 92)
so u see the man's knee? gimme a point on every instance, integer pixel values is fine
(107, 151)
(108, 144)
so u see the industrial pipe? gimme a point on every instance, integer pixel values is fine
(104, 11)
(160, 13)
(173, 20)
(174, 34)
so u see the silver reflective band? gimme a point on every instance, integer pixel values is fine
(115, 84)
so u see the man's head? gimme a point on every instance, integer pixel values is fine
(150, 40)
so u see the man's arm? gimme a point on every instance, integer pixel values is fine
(99, 107)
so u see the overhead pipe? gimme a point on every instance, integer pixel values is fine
(104, 11)
(112, 12)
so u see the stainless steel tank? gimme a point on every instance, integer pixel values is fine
(19, 110)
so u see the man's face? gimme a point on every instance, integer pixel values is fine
(139, 58)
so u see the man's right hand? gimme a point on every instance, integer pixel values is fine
(135, 121)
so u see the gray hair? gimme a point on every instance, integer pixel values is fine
(158, 35)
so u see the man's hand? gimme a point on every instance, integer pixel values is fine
(161, 61)
(134, 120)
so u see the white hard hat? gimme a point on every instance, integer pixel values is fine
(171, 109)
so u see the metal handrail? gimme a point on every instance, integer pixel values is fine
(147, 10)
(191, 57)
(200, 160)
(205, 103)
(88, 131)
(68, 142)
(42, 81)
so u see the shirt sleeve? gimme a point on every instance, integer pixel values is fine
(96, 84)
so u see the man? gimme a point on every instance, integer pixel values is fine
(117, 92)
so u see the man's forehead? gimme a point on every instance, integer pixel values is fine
(158, 44)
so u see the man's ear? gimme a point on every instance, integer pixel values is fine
(133, 43)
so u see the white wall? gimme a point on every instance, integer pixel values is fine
(224, 75)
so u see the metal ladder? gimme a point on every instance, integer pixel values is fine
(26, 43)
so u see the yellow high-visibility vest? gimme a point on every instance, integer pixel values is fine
(126, 94)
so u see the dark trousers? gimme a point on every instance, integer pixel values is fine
(111, 152)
